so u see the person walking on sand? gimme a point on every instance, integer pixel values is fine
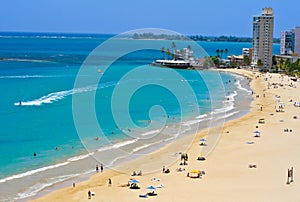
(109, 182)
(101, 167)
(97, 168)
(89, 194)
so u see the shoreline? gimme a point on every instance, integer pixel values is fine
(112, 174)
(85, 176)
(233, 180)
(46, 187)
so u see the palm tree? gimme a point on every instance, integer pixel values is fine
(218, 51)
(226, 52)
(221, 51)
(168, 52)
(173, 48)
(259, 63)
(162, 50)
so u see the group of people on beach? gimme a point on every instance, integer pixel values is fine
(97, 168)
(136, 174)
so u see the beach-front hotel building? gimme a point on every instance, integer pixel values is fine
(287, 43)
(263, 28)
(297, 41)
(290, 42)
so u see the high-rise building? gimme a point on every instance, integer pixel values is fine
(287, 42)
(290, 42)
(297, 41)
(263, 27)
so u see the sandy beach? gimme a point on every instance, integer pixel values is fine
(240, 168)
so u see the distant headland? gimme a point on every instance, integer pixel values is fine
(195, 37)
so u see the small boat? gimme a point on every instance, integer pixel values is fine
(180, 64)
(99, 70)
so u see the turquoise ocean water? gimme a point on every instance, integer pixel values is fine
(39, 70)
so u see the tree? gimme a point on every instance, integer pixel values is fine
(173, 47)
(221, 51)
(215, 60)
(232, 64)
(168, 52)
(226, 52)
(246, 60)
(274, 61)
(162, 50)
(218, 52)
(259, 63)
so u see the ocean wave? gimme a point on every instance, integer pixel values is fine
(141, 147)
(32, 191)
(26, 76)
(150, 132)
(27, 60)
(239, 86)
(230, 98)
(229, 104)
(68, 161)
(227, 115)
(31, 172)
(196, 121)
(77, 158)
(201, 116)
(117, 145)
(53, 97)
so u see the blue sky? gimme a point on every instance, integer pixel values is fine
(210, 18)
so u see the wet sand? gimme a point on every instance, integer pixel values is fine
(240, 168)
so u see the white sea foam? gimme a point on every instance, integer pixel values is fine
(117, 145)
(201, 116)
(195, 121)
(72, 159)
(31, 172)
(25, 76)
(31, 191)
(27, 60)
(77, 158)
(231, 96)
(227, 115)
(239, 86)
(150, 132)
(55, 96)
(141, 147)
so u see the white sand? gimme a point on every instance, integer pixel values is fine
(228, 176)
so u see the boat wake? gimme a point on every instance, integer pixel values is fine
(56, 96)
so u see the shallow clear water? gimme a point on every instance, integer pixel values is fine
(40, 72)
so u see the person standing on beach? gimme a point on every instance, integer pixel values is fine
(101, 167)
(89, 194)
(97, 168)
(109, 182)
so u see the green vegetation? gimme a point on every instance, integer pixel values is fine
(195, 37)
(287, 66)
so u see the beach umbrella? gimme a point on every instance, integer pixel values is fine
(194, 171)
(151, 188)
(134, 181)
(257, 133)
